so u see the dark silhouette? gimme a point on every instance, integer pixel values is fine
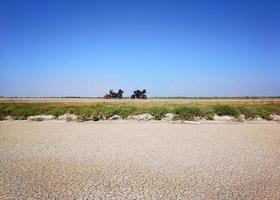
(138, 94)
(114, 95)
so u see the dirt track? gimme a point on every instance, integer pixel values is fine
(149, 160)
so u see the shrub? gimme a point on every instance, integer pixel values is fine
(263, 113)
(84, 113)
(81, 118)
(158, 112)
(209, 116)
(207, 112)
(8, 110)
(26, 111)
(248, 112)
(57, 111)
(71, 110)
(226, 110)
(126, 111)
(95, 116)
(271, 108)
(109, 112)
(2, 116)
(187, 112)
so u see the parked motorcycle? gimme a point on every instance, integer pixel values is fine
(138, 94)
(114, 95)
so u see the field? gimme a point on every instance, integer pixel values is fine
(95, 109)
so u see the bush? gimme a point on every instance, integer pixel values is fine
(158, 112)
(95, 116)
(8, 110)
(126, 111)
(109, 112)
(57, 111)
(25, 112)
(248, 112)
(2, 116)
(187, 112)
(263, 113)
(209, 116)
(84, 113)
(81, 118)
(222, 110)
(72, 110)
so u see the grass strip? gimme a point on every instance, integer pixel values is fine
(185, 111)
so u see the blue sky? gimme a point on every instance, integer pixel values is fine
(171, 48)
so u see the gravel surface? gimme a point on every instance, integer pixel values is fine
(139, 160)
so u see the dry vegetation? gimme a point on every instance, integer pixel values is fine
(183, 110)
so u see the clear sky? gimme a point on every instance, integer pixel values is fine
(171, 48)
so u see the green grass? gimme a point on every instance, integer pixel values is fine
(185, 111)
(158, 112)
(263, 113)
(248, 112)
(57, 111)
(226, 110)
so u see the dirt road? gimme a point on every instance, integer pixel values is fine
(133, 160)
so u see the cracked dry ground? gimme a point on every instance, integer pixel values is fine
(131, 160)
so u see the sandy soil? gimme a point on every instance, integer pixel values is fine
(133, 160)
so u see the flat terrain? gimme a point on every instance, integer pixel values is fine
(133, 160)
(175, 100)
